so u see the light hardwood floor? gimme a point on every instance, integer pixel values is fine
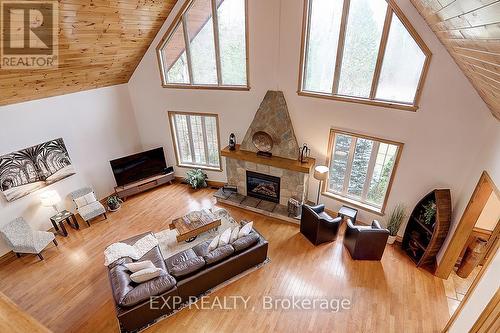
(69, 291)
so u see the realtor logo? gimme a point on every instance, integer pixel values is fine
(29, 32)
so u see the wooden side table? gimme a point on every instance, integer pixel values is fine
(58, 222)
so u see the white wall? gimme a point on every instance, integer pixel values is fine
(439, 148)
(96, 125)
(488, 160)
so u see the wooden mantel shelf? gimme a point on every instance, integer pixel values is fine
(275, 161)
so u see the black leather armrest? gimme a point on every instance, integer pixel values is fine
(376, 224)
(318, 208)
(331, 219)
(351, 226)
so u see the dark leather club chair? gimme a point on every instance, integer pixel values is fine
(317, 225)
(365, 242)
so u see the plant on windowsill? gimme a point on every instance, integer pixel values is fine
(396, 218)
(196, 178)
(114, 203)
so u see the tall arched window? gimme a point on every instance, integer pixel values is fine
(362, 51)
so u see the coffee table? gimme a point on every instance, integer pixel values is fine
(193, 224)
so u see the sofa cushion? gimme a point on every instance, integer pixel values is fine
(201, 249)
(127, 293)
(144, 291)
(179, 258)
(218, 254)
(245, 242)
(120, 282)
(187, 267)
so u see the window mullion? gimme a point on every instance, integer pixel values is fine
(215, 21)
(205, 142)
(381, 52)
(176, 138)
(369, 172)
(188, 49)
(348, 168)
(340, 46)
(191, 139)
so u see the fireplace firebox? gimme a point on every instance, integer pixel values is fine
(263, 186)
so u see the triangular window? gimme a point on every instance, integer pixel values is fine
(362, 51)
(206, 46)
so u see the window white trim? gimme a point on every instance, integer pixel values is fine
(343, 195)
(174, 131)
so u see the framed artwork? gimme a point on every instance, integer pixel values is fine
(33, 168)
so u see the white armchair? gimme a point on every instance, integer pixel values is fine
(87, 204)
(22, 239)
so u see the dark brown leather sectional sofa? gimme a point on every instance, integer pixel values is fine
(188, 274)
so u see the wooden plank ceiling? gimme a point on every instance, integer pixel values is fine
(470, 30)
(101, 42)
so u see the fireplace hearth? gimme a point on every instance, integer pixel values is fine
(261, 186)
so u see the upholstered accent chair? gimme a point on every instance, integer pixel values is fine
(317, 225)
(87, 204)
(22, 239)
(365, 242)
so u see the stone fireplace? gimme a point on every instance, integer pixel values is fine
(268, 182)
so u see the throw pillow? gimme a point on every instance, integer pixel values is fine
(214, 243)
(234, 234)
(145, 274)
(245, 230)
(139, 265)
(224, 237)
(80, 202)
(90, 198)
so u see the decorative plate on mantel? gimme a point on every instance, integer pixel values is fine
(262, 141)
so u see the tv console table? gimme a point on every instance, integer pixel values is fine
(143, 185)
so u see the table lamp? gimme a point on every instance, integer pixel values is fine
(321, 174)
(50, 199)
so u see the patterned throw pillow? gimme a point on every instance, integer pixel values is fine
(224, 237)
(245, 230)
(214, 243)
(139, 265)
(234, 234)
(146, 274)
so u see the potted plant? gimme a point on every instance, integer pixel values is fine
(429, 212)
(196, 178)
(114, 203)
(394, 223)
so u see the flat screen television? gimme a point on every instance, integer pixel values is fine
(139, 166)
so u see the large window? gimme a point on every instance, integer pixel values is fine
(362, 51)
(196, 139)
(206, 46)
(361, 169)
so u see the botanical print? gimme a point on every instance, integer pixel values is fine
(30, 169)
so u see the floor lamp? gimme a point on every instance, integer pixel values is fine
(321, 174)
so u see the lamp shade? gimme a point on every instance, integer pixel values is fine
(321, 172)
(50, 198)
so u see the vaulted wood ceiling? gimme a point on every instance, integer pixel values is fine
(100, 44)
(102, 41)
(470, 30)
